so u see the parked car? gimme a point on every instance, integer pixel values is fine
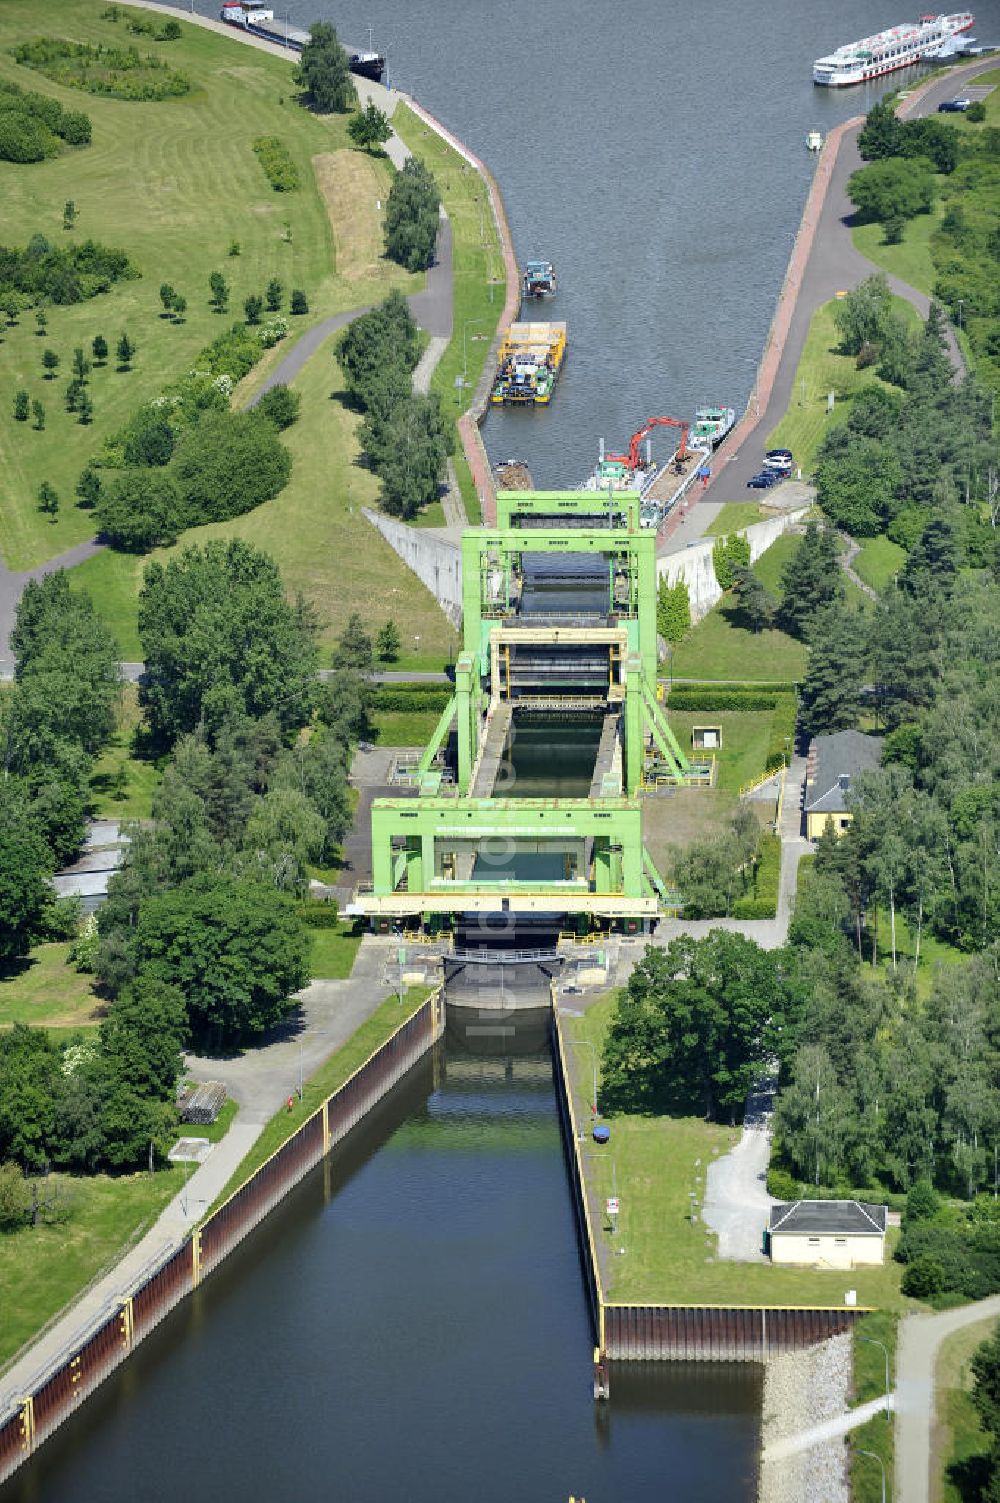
(764, 479)
(785, 454)
(954, 106)
(781, 467)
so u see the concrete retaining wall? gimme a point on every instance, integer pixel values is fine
(694, 564)
(435, 560)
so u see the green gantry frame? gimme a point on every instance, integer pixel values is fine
(623, 506)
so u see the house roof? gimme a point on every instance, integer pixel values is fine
(834, 762)
(831, 1218)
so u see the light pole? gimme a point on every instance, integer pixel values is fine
(872, 1341)
(961, 305)
(469, 322)
(875, 1457)
(586, 1044)
(288, 12)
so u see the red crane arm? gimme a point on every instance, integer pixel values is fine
(656, 422)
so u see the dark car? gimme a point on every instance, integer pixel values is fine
(764, 479)
(954, 106)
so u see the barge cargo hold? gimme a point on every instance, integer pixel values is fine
(258, 19)
(528, 364)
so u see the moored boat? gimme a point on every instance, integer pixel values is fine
(897, 47)
(528, 363)
(710, 426)
(539, 279)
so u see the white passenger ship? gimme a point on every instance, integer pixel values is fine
(898, 47)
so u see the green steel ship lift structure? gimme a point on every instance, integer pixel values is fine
(451, 848)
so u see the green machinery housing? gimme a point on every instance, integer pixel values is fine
(531, 653)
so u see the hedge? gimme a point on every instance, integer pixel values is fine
(402, 698)
(319, 915)
(763, 902)
(734, 699)
(274, 157)
(750, 686)
(781, 741)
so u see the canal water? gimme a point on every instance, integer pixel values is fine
(656, 153)
(410, 1324)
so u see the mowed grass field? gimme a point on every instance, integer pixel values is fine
(172, 183)
(822, 370)
(670, 1257)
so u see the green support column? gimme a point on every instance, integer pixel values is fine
(466, 719)
(644, 563)
(414, 865)
(633, 725)
(602, 865)
(631, 867)
(427, 860)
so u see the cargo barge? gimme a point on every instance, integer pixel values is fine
(529, 361)
(257, 17)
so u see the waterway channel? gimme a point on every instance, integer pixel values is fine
(409, 1324)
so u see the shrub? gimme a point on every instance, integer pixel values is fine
(782, 1185)
(279, 169)
(319, 915)
(116, 72)
(23, 139)
(228, 463)
(142, 510)
(729, 554)
(299, 302)
(149, 439)
(67, 274)
(280, 405)
(923, 1277)
(391, 697)
(32, 125)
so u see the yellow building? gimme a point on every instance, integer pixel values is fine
(827, 1233)
(834, 762)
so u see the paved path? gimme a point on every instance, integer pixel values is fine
(260, 1080)
(737, 1204)
(920, 1337)
(841, 1424)
(851, 549)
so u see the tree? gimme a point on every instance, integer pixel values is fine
(15, 1198)
(24, 871)
(862, 316)
(41, 322)
(74, 391)
(354, 647)
(857, 481)
(149, 439)
(691, 1029)
(283, 834)
(388, 642)
(320, 770)
(299, 302)
(324, 73)
(378, 348)
(985, 1366)
(811, 579)
(729, 554)
(69, 214)
(412, 217)
(142, 509)
(167, 296)
(67, 656)
(48, 500)
(227, 463)
(218, 635)
(673, 610)
(252, 307)
(218, 292)
(830, 699)
(38, 413)
(81, 365)
(143, 1033)
(275, 292)
(234, 950)
(880, 135)
(280, 405)
(180, 307)
(126, 351)
(99, 349)
(85, 409)
(22, 405)
(50, 364)
(812, 1116)
(416, 447)
(895, 189)
(30, 1069)
(755, 602)
(369, 128)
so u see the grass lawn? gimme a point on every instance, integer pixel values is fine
(331, 1074)
(745, 735)
(479, 278)
(958, 1440)
(910, 261)
(213, 1131)
(879, 560)
(143, 778)
(333, 952)
(869, 1383)
(670, 1259)
(733, 516)
(309, 530)
(820, 371)
(44, 1268)
(719, 649)
(46, 991)
(172, 182)
(404, 727)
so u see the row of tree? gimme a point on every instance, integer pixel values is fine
(405, 436)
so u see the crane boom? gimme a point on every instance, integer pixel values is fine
(632, 457)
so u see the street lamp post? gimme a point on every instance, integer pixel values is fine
(872, 1341)
(875, 1457)
(961, 305)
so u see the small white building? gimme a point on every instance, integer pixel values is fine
(827, 1233)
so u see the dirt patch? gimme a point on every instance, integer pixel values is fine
(354, 187)
(682, 816)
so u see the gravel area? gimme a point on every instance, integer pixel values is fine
(736, 1199)
(801, 1389)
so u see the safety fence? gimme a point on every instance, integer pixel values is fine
(63, 1391)
(681, 1332)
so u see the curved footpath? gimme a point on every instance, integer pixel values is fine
(824, 261)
